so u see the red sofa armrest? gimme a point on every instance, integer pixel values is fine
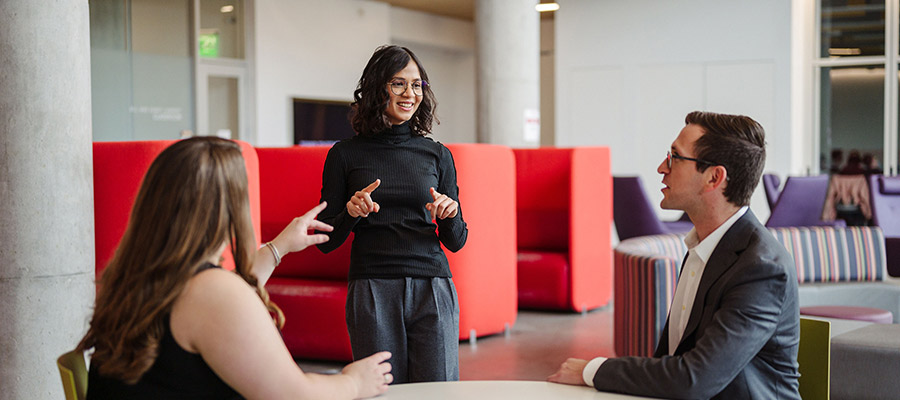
(590, 226)
(484, 270)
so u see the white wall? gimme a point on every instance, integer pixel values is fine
(318, 49)
(452, 76)
(310, 49)
(803, 37)
(446, 47)
(548, 81)
(628, 72)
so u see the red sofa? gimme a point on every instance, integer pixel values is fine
(119, 169)
(564, 213)
(311, 287)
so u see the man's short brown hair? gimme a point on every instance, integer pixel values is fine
(736, 142)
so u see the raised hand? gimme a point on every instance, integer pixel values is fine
(361, 204)
(442, 206)
(296, 237)
(372, 374)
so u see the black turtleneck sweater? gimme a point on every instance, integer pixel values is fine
(399, 240)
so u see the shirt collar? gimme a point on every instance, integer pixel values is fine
(396, 133)
(705, 248)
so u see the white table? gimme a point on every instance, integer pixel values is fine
(474, 390)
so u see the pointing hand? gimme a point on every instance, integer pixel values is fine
(442, 207)
(361, 204)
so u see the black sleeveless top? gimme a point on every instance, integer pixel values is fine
(176, 374)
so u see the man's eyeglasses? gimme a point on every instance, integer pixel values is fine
(670, 157)
(398, 87)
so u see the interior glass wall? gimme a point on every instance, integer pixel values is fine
(852, 117)
(852, 28)
(857, 50)
(141, 69)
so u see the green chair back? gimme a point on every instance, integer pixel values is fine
(74, 374)
(814, 357)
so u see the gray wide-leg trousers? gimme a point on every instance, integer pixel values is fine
(416, 319)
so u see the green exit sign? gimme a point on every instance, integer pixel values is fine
(209, 45)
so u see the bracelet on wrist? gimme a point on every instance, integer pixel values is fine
(275, 253)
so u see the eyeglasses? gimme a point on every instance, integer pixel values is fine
(670, 157)
(398, 86)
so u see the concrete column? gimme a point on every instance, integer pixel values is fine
(46, 191)
(508, 59)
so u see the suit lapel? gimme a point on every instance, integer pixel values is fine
(735, 240)
(662, 345)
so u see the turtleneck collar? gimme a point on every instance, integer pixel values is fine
(397, 133)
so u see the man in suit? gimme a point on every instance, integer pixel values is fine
(734, 326)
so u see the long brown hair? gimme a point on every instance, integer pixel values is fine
(193, 199)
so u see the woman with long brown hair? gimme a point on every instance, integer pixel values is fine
(169, 323)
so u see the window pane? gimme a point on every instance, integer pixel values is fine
(852, 117)
(111, 74)
(163, 101)
(141, 69)
(222, 29)
(852, 28)
(893, 167)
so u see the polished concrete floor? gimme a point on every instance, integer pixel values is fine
(532, 349)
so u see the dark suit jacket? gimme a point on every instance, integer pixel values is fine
(742, 336)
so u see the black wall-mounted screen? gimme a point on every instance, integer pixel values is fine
(320, 121)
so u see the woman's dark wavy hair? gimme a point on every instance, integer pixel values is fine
(370, 99)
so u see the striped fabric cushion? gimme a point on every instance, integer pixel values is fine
(823, 254)
(655, 246)
(646, 270)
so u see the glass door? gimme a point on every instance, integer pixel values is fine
(222, 69)
(221, 104)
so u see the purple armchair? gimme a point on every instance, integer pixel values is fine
(635, 216)
(771, 182)
(885, 197)
(800, 203)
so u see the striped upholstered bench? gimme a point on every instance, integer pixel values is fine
(835, 266)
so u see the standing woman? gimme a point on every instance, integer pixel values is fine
(170, 324)
(392, 187)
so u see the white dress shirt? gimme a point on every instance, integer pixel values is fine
(686, 289)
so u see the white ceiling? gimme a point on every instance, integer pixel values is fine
(462, 9)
